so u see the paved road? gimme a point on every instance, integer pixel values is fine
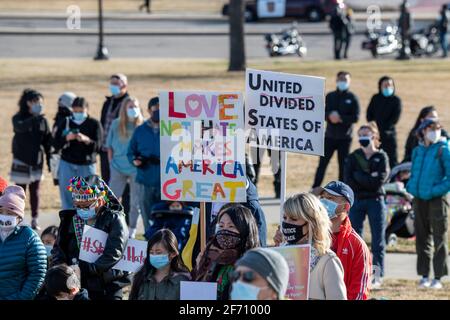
(398, 266)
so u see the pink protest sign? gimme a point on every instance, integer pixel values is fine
(297, 258)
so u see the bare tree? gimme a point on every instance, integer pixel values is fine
(237, 43)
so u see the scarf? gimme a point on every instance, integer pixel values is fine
(78, 225)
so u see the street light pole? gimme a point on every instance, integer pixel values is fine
(102, 52)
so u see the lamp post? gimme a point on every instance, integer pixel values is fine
(102, 51)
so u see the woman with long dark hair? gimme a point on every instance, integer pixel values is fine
(236, 233)
(31, 142)
(163, 270)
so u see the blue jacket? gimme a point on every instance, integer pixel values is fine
(23, 264)
(430, 172)
(145, 144)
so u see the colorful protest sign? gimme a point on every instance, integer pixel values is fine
(285, 112)
(202, 146)
(133, 256)
(191, 290)
(92, 244)
(271, 8)
(297, 257)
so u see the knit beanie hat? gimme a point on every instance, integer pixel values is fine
(3, 185)
(270, 265)
(13, 199)
(66, 100)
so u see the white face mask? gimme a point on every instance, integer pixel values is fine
(434, 136)
(7, 223)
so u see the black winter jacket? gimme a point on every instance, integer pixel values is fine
(366, 176)
(32, 139)
(385, 111)
(347, 105)
(95, 276)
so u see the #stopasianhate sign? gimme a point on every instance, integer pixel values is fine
(285, 112)
(202, 146)
(298, 258)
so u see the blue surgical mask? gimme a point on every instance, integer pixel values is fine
(331, 207)
(133, 113)
(48, 248)
(88, 213)
(343, 85)
(79, 117)
(159, 260)
(115, 89)
(387, 92)
(244, 291)
(36, 109)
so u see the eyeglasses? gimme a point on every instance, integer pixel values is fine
(247, 276)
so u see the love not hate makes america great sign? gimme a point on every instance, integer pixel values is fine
(202, 146)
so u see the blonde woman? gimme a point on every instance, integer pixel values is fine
(122, 171)
(305, 220)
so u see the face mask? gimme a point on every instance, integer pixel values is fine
(48, 248)
(244, 291)
(227, 239)
(79, 117)
(343, 85)
(133, 113)
(87, 214)
(7, 222)
(387, 92)
(434, 136)
(159, 260)
(155, 116)
(36, 108)
(365, 141)
(292, 232)
(331, 207)
(115, 90)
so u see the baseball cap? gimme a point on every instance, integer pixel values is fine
(340, 189)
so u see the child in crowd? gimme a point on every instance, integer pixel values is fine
(48, 237)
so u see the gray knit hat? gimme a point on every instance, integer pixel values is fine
(271, 265)
(66, 100)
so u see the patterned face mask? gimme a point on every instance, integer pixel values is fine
(227, 239)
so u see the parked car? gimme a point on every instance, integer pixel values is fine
(313, 10)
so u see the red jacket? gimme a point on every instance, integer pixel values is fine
(356, 260)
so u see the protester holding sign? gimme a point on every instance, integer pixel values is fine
(236, 233)
(79, 141)
(341, 112)
(23, 261)
(366, 170)
(96, 206)
(143, 153)
(305, 220)
(338, 198)
(163, 270)
(122, 171)
(31, 144)
(385, 108)
(261, 274)
(430, 185)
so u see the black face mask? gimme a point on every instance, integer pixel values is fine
(292, 233)
(364, 142)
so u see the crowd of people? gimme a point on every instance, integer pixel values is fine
(236, 255)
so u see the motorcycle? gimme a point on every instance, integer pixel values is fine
(425, 42)
(382, 42)
(287, 42)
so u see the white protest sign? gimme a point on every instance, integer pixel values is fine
(202, 146)
(285, 112)
(92, 244)
(133, 256)
(190, 290)
(271, 8)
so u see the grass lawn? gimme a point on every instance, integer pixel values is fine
(157, 6)
(407, 290)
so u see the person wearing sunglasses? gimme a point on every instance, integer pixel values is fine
(261, 274)
(95, 206)
(236, 233)
(305, 221)
(338, 198)
(430, 184)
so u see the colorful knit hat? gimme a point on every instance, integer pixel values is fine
(83, 191)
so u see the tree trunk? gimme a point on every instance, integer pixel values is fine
(237, 44)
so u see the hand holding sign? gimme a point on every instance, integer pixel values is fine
(92, 244)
